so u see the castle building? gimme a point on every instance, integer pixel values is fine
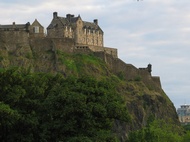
(83, 33)
(15, 27)
(70, 34)
(36, 29)
(19, 33)
(184, 114)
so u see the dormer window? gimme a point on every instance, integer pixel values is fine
(36, 29)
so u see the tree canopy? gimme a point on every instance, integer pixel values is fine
(46, 107)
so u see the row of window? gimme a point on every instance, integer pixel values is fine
(85, 31)
(82, 47)
(91, 32)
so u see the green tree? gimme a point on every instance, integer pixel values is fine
(45, 107)
(156, 131)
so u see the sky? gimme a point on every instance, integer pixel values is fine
(144, 31)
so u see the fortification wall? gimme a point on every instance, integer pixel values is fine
(156, 80)
(118, 66)
(107, 50)
(14, 36)
(63, 44)
(130, 72)
(13, 39)
(45, 44)
(82, 50)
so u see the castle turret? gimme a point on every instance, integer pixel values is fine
(149, 67)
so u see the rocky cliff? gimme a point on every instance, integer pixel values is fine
(143, 93)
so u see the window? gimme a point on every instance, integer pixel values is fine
(36, 29)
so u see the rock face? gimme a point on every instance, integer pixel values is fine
(143, 93)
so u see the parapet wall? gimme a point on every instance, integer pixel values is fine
(62, 44)
(107, 50)
(128, 71)
(14, 36)
(13, 39)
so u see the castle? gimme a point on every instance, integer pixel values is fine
(85, 35)
(71, 34)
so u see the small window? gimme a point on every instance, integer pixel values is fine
(36, 29)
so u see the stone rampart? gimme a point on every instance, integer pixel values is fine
(107, 50)
(14, 38)
(62, 44)
(128, 71)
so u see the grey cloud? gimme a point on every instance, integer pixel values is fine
(148, 31)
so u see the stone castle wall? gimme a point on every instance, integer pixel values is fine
(53, 44)
(108, 50)
(128, 71)
(14, 36)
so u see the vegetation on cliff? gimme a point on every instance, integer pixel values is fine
(45, 107)
(66, 96)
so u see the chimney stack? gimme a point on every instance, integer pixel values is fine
(96, 21)
(54, 14)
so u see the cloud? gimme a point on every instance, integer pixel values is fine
(148, 31)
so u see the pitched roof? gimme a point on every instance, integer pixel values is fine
(71, 20)
(36, 22)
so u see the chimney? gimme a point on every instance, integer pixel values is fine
(96, 21)
(14, 25)
(54, 14)
(69, 16)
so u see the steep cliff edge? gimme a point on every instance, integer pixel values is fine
(143, 95)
